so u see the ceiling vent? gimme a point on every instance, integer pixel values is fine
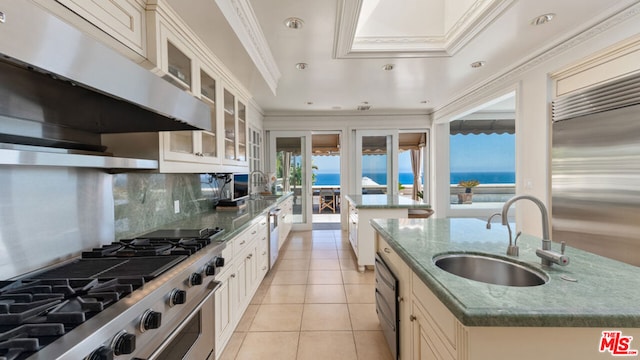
(364, 107)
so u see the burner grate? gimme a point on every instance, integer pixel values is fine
(147, 267)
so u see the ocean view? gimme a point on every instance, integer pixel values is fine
(407, 178)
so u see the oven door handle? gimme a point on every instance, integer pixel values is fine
(212, 286)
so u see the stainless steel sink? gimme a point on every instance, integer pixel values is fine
(489, 269)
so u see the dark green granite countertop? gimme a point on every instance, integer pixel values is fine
(233, 222)
(385, 202)
(606, 293)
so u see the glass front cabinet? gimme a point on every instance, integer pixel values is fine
(235, 130)
(197, 147)
(183, 61)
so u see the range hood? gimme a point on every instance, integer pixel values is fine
(61, 88)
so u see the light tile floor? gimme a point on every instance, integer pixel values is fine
(313, 304)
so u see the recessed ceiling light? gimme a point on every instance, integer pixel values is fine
(542, 19)
(301, 66)
(387, 67)
(293, 23)
(478, 64)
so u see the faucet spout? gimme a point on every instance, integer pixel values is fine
(543, 212)
(548, 256)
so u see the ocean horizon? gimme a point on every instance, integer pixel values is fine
(484, 177)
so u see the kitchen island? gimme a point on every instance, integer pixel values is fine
(575, 315)
(363, 208)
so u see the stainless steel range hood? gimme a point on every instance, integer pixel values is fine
(61, 88)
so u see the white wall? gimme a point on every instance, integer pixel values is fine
(532, 83)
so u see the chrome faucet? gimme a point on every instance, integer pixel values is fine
(548, 256)
(263, 181)
(512, 250)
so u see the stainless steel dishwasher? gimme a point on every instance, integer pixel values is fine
(274, 235)
(387, 304)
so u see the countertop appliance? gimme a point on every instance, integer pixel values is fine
(150, 298)
(274, 235)
(596, 169)
(387, 304)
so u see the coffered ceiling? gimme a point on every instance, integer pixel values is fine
(429, 45)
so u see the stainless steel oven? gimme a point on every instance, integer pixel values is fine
(147, 298)
(192, 338)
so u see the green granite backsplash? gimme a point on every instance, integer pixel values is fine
(144, 202)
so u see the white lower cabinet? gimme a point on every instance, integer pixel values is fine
(429, 330)
(224, 309)
(243, 272)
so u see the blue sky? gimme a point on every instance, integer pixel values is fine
(495, 152)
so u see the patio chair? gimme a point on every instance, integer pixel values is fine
(327, 200)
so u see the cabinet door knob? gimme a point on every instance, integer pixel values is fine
(412, 318)
(386, 250)
(233, 276)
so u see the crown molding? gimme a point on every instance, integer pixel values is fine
(491, 85)
(471, 23)
(244, 23)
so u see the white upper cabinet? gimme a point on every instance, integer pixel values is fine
(235, 131)
(174, 52)
(179, 57)
(123, 20)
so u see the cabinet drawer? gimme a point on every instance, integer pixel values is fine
(242, 241)
(440, 317)
(389, 255)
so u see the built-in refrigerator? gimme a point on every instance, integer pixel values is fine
(596, 170)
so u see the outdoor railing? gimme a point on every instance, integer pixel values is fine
(485, 192)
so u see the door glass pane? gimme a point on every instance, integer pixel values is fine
(242, 132)
(375, 164)
(410, 164)
(229, 126)
(207, 87)
(208, 144)
(181, 142)
(179, 65)
(291, 174)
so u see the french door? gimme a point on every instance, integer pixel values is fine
(376, 160)
(290, 161)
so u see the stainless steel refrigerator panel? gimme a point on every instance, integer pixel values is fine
(596, 183)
